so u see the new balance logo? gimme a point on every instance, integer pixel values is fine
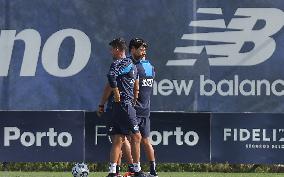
(227, 46)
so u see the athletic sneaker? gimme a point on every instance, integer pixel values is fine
(128, 174)
(142, 174)
(155, 174)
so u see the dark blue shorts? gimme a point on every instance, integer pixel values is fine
(144, 126)
(124, 120)
(107, 116)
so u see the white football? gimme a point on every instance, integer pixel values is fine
(80, 170)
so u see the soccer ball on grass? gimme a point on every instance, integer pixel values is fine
(80, 170)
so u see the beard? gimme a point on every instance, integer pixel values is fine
(139, 56)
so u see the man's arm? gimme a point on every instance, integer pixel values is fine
(112, 76)
(136, 90)
(104, 99)
(106, 94)
(116, 94)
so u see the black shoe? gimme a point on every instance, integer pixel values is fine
(142, 174)
(154, 173)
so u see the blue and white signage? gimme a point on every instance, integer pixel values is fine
(41, 136)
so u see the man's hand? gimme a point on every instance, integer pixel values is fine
(100, 110)
(116, 95)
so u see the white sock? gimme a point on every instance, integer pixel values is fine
(137, 167)
(112, 167)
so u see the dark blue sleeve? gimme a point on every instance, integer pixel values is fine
(112, 75)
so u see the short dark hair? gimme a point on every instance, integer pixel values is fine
(119, 43)
(137, 42)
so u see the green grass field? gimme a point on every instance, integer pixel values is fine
(169, 174)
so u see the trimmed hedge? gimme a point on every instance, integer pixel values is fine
(165, 167)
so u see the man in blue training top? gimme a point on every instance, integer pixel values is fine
(118, 47)
(146, 73)
(123, 79)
